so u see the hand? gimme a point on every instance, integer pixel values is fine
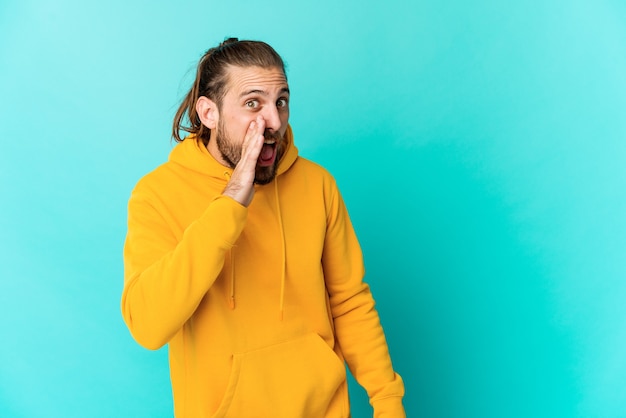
(241, 184)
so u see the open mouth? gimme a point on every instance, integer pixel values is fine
(268, 153)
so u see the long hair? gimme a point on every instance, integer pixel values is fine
(212, 78)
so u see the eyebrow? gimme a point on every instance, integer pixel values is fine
(262, 92)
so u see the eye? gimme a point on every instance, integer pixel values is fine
(252, 104)
(282, 103)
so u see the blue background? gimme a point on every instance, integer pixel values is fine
(480, 147)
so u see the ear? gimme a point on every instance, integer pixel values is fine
(207, 112)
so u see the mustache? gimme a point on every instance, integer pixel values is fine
(272, 135)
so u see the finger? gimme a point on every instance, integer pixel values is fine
(253, 141)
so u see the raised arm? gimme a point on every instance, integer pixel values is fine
(165, 280)
(167, 276)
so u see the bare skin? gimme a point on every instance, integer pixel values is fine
(241, 184)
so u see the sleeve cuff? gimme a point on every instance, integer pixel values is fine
(390, 407)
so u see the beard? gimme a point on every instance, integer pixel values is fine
(231, 153)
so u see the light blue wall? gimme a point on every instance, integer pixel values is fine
(480, 146)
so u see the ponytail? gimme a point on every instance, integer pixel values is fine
(188, 108)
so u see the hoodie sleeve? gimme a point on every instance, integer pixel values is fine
(165, 277)
(357, 323)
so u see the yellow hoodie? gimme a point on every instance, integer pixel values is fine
(260, 305)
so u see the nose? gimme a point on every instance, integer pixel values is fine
(272, 118)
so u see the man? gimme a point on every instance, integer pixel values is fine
(241, 256)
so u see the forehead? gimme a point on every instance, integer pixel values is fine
(243, 79)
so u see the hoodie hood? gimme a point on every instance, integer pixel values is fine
(192, 154)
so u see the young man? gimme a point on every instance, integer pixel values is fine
(241, 256)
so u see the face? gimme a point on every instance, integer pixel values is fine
(250, 92)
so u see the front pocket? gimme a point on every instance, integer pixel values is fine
(298, 378)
